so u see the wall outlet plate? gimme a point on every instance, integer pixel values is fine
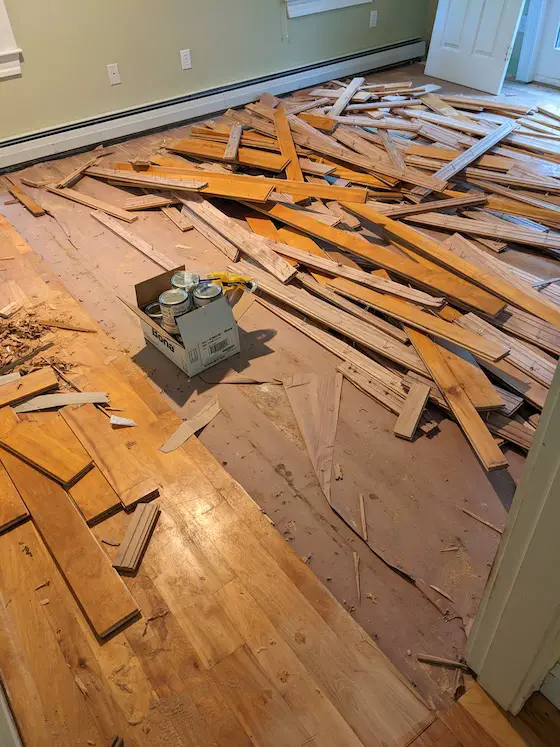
(114, 74)
(186, 61)
(373, 19)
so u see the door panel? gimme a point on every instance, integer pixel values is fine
(548, 64)
(472, 41)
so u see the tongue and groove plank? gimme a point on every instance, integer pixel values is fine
(103, 597)
(287, 147)
(350, 326)
(475, 151)
(64, 461)
(470, 421)
(345, 97)
(26, 200)
(412, 410)
(437, 279)
(12, 509)
(92, 202)
(28, 386)
(233, 143)
(471, 377)
(433, 250)
(259, 159)
(114, 460)
(399, 211)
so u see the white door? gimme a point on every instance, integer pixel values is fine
(472, 42)
(548, 62)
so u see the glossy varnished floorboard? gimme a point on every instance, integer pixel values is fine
(238, 644)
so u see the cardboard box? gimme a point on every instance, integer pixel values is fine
(210, 334)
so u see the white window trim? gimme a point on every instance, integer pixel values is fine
(10, 53)
(297, 8)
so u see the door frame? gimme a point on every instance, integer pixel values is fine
(530, 46)
(515, 638)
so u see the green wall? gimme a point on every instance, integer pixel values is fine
(68, 43)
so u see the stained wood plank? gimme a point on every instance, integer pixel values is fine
(40, 448)
(136, 538)
(116, 462)
(439, 254)
(287, 147)
(437, 280)
(179, 219)
(24, 198)
(436, 735)
(216, 151)
(28, 386)
(94, 497)
(467, 730)
(490, 717)
(102, 595)
(408, 420)
(470, 376)
(346, 96)
(474, 428)
(400, 211)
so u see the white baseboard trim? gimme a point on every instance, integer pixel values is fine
(75, 135)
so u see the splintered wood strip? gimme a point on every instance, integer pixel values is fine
(470, 155)
(254, 246)
(92, 202)
(363, 518)
(147, 179)
(38, 447)
(287, 147)
(470, 421)
(393, 152)
(179, 219)
(102, 595)
(13, 510)
(147, 202)
(25, 199)
(429, 248)
(70, 179)
(515, 195)
(233, 143)
(136, 538)
(437, 279)
(336, 319)
(356, 558)
(413, 407)
(51, 401)
(28, 386)
(189, 427)
(493, 104)
(135, 241)
(63, 325)
(216, 151)
(116, 462)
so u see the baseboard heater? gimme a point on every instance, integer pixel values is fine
(74, 136)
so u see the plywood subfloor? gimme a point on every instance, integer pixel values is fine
(413, 491)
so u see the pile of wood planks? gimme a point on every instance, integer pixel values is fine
(66, 471)
(378, 220)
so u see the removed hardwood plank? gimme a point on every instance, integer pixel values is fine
(147, 249)
(136, 538)
(25, 199)
(216, 238)
(28, 386)
(470, 421)
(70, 179)
(259, 159)
(346, 96)
(102, 595)
(51, 401)
(399, 211)
(94, 497)
(63, 325)
(336, 319)
(429, 248)
(189, 427)
(413, 407)
(92, 202)
(147, 202)
(110, 454)
(287, 147)
(232, 147)
(435, 279)
(470, 376)
(258, 248)
(37, 447)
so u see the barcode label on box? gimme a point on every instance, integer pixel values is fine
(217, 347)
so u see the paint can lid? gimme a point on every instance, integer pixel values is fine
(208, 291)
(185, 280)
(153, 310)
(173, 297)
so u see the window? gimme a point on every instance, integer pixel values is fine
(298, 8)
(557, 44)
(10, 54)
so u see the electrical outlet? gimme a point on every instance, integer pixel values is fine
(114, 75)
(186, 61)
(373, 19)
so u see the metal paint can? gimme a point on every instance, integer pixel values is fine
(205, 293)
(185, 280)
(174, 303)
(153, 310)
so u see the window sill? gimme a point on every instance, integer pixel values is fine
(297, 8)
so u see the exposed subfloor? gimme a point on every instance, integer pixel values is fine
(414, 492)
